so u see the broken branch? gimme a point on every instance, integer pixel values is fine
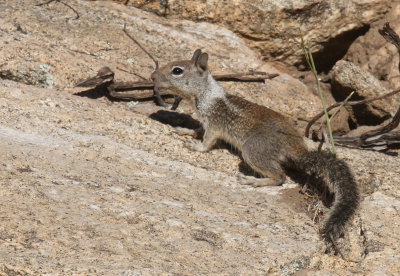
(132, 73)
(319, 115)
(389, 127)
(65, 4)
(253, 76)
(46, 3)
(377, 139)
(141, 47)
(119, 89)
(390, 35)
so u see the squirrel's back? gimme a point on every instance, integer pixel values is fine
(236, 119)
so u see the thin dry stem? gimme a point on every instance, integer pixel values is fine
(310, 61)
(141, 47)
(65, 4)
(319, 115)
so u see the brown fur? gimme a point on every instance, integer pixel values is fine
(268, 142)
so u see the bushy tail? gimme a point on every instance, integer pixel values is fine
(338, 179)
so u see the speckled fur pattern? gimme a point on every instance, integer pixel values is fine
(268, 142)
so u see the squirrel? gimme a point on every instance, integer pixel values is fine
(268, 142)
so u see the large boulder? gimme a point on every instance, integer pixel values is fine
(274, 28)
(374, 54)
(93, 188)
(348, 77)
(45, 46)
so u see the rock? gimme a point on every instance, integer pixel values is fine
(146, 185)
(94, 187)
(178, 210)
(157, 206)
(274, 28)
(32, 57)
(385, 207)
(348, 77)
(374, 54)
(45, 46)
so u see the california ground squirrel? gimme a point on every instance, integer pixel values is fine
(268, 142)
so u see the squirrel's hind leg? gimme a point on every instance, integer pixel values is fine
(263, 163)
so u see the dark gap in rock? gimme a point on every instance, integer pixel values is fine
(359, 114)
(335, 49)
(364, 116)
(352, 123)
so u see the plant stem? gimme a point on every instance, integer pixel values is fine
(311, 64)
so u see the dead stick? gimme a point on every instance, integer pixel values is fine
(248, 76)
(65, 4)
(120, 90)
(105, 74)
(390, 35)
(126, 71)
(156, 93)
(141, 47)
(134, 85)
(45, 3)
(377, 139)
(147, 85)
(377, 143)
(319, 115)
(389, 127)
(138, 95)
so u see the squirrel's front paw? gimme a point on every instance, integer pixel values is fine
(195, 146)
(185, 131)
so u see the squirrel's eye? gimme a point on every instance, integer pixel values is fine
(177, 71)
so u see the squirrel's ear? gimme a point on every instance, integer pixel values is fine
(196, 55)
(201, 62)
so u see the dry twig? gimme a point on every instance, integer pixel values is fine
(378, 139)
(132, 73)
(156, 93)
(319, 115)
(65, 4)
(140, 89)
(390, 35)
(141, 47)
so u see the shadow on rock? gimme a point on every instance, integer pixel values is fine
(175, 119)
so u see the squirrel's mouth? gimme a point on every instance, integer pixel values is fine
(161, 88)
(160, 85)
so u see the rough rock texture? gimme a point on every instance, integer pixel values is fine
(97, 188)
(274, 28)
(93, 187)
(80, 47)
(45, 46)
(348, 77)
(372, 53)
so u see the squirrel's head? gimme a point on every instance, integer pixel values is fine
(186, 78)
